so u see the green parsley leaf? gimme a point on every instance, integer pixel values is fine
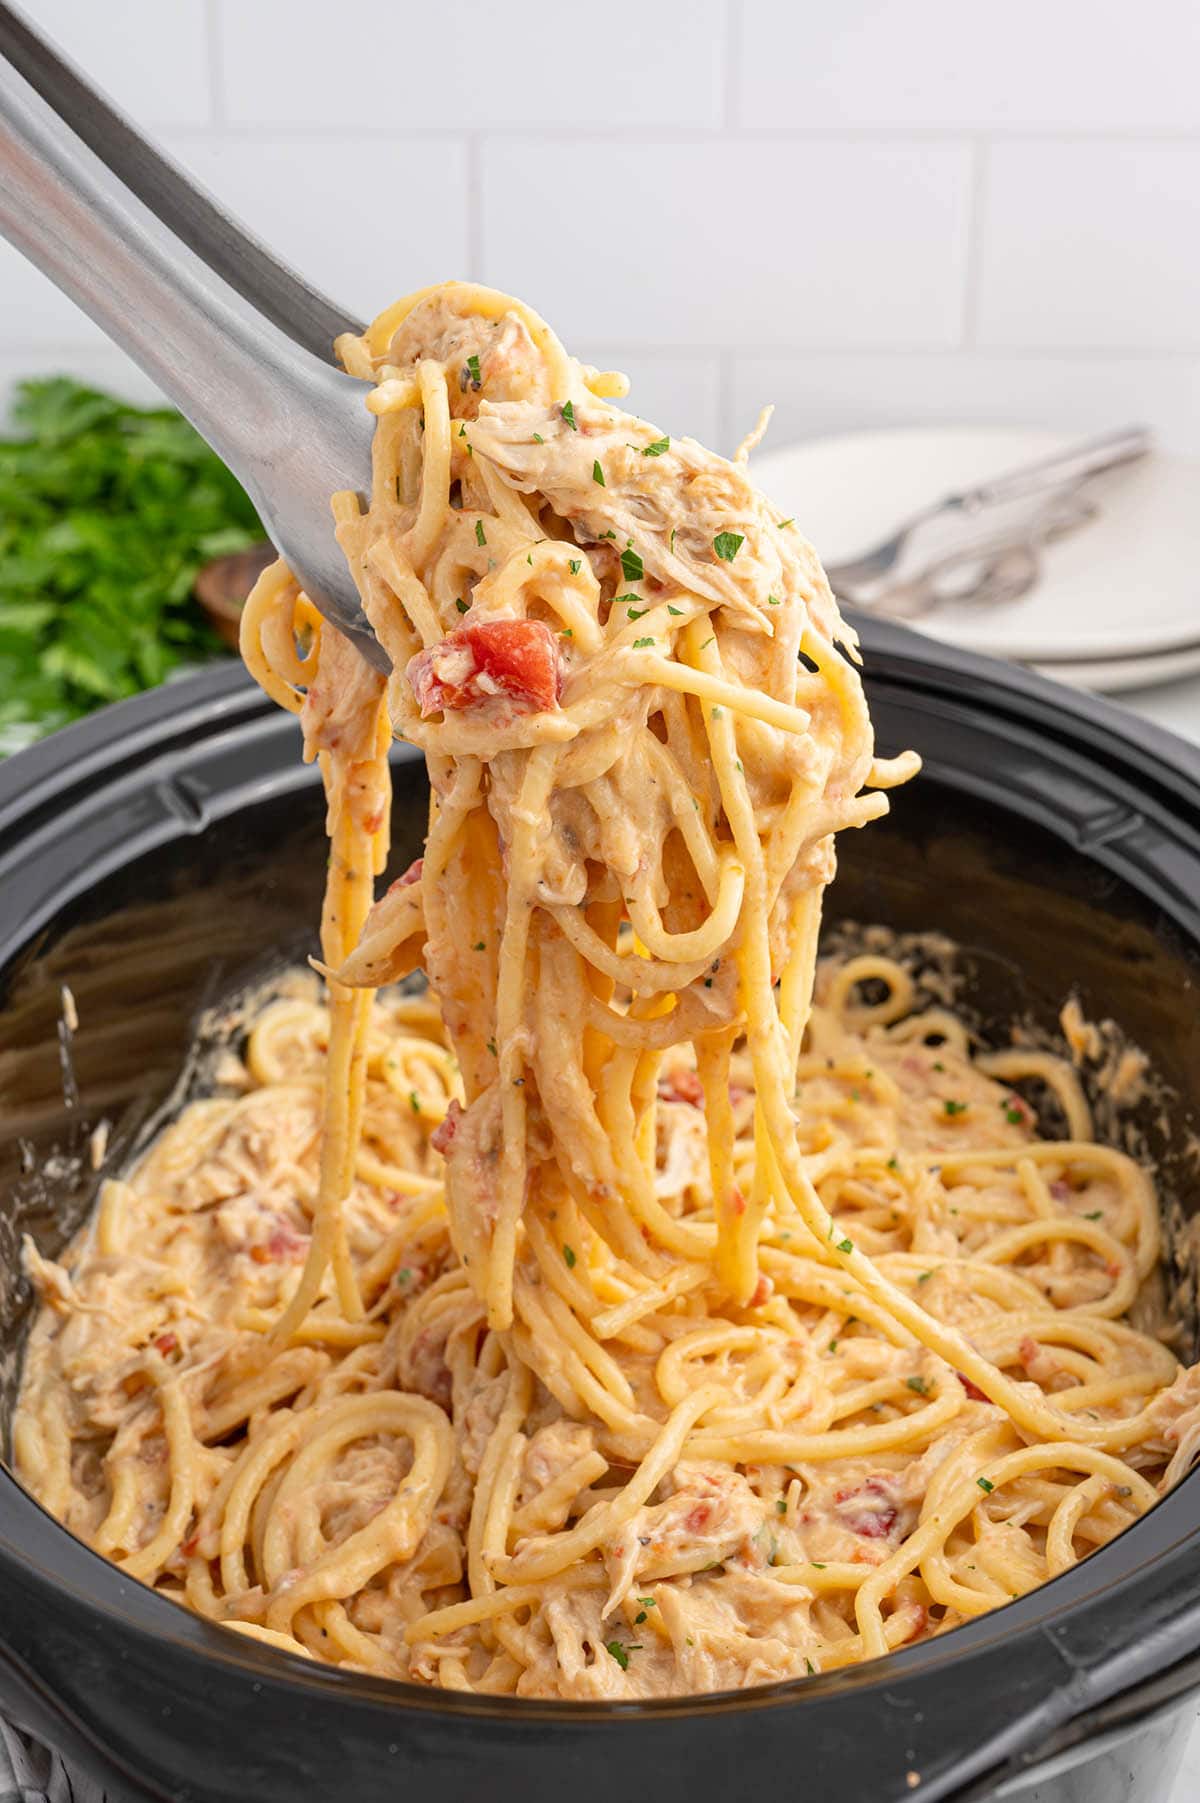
(538, 439)
(783, 523)
(480, 535)
(641, 644)
(774, 601)
(107, 514)
(673, 531)
(845, 1245)
(809, 1667)
(568, 414)
(574, 564)
(598, 473)
(619, 1651)
(924, 1276)
(952, 1107)
(632, 566)
(1097, 1214)
(657, 448)
(677, 611)
(728, 544)
(893, 1163)
(918, 1384)
(491, 1046)
(462, 431)
(569, 1255)
(1012, 1114)
(478, 946)
(464, 607)
(414, 1101)
(780, 1506)
(816, 1565)
(985, 1485)
(473, 371)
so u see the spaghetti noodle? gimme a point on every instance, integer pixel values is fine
(625, 1321)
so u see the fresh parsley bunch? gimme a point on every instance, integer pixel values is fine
(107, 512)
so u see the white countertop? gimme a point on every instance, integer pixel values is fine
(1175, 705)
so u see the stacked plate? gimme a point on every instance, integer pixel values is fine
(1117, 601)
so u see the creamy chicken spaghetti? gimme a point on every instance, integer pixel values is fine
(638, 1309)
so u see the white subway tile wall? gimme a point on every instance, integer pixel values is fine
(871, 213)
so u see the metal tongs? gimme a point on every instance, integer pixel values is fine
(240, 343)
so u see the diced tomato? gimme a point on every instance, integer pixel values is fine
(869, 1510)
(973, 1390)
(166, 1343)
(444, 1132)
(411, 875)
(283, 1242)
(764, 1289)
(518, 659)
(682, 1086)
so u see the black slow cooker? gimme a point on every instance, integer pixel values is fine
(167, 852)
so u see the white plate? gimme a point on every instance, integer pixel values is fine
(1115, 675)
(1126, 584)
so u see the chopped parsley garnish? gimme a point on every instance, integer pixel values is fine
(1097, 1214)
(617, 1648)
(598, 473)
(478, 946)
(634, 613)
(538, 439)
(568, 632)
(673, 531)
(784, 523)
(708, 642)
(473, 371)
(414, 1101)
(780, 1506)
(677, 611)
(491, 1046)
(641, 644)
(632, 566)
(952, 1107)
(833, 1346)
(938, 1065)
(918, 1384)
(462, 431)
(1012, 1114)
(575, 564)
(568, 414)
(924, 1276)
(657, 448)
(774, 601)
(728, 544)
(569, 1255)
(480, 535)
(809, 1666)
(845, 1245)
(986, 1485)
(462, 606)
(816, 1565)
(893, 1163)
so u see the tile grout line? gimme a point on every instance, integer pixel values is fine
(475, 207)
(976, 224)
(216, 84)
(732, 65)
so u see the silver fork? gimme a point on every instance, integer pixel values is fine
(1017, 508)
(240, 344)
